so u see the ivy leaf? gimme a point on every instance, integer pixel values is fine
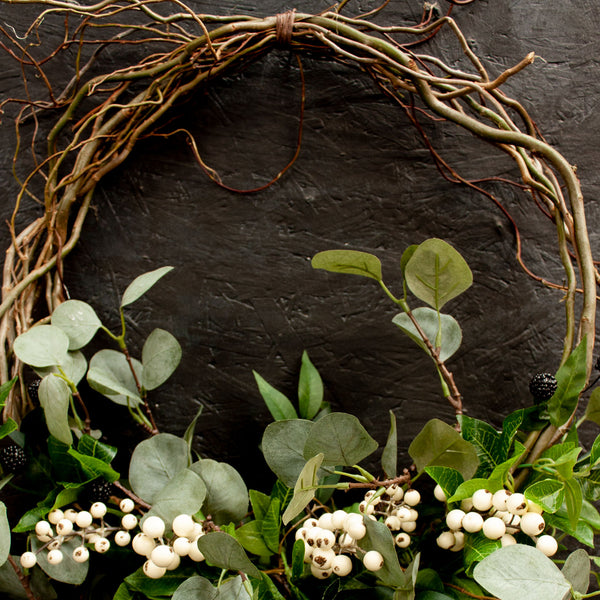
(94, 467)
(477, 547)
(141, 284)
(278, 404)
(389, 457)
(518, 571)
(548, 493)
(250, 537)
(582, 532)
(54, 395)
(341, 439)
(110, 374)
(155, 462)
(447, 478)
(432, 323)
(571, 378)
(225, 552)
(226, 493)
(305, 487)
(469, 487)
(42, 346)
(271, 525)
(310, 389)
(78, 320)
(161, 355)
(438, 444)
(573, 500)
(260, 504)
(436, 273)
(92, 447)
(486, 441)
(348, 261)
(510, 427)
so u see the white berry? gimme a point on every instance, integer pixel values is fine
(547, 545)
(323, 558)
(357, 530)
(28, 560)
(70, 514)
(162, 556)
(472, 522)
(393, 523)
(409, 526)
(366, 508)
(534, 508)
(153, 571)
(194, 552)
(142, 544)
(402, 540)
(532, 523)
(338, 519)
(439, 493)
(516, 504)
(326, 521)
(494, 528)
(102, 545)
(446, 540)
(459, 541)
(507, 540)
(64, 527)
(499, 499)
(346, 540)
(175, 561)
(122, 538)
(412, 497)
(183, 525)
(83, 519)
(54, 557)
(98, 510)
(482, 500)
(342, 565)
(320, 573)
(127, 505)
(129, 521)
(403, 513)
(43, 528)
(54, 516)
(81, 554)
(181, 546)
(455, 518)
(373, 560)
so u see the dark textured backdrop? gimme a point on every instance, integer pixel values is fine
(243, 295)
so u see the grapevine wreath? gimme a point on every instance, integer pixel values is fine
(501, 502)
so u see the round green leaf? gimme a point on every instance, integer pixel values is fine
(450, 332)
(140, 285)
(78, 320)
(74, 367)
(348, 261)
(519, 571)
(42, 346)
(54, 395)
(341, 438)
(225, 552)
(68, 571)
(160, 356)
(110, 374)
(226, 493)
(283, 448)
(196, 587)
(154, 463)
(436, 273)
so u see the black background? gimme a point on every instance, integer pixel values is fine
(243, 295)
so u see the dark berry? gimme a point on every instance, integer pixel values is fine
(542, 387)
(33, 388)
(13, 458)
(99, 490)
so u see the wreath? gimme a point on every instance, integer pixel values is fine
(529, 477)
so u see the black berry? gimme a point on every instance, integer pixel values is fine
(542, 387)
(33, 388)
(13, 458)
(99, 490)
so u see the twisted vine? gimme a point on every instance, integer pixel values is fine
(102, 118)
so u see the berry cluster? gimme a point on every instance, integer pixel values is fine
(164, 554)
(329, 539)
(499, 516)
(13, 458)
(87, 525)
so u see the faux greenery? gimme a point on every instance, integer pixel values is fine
(479, 512)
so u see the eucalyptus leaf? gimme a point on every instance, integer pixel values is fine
(341, 439)
(305, 487)
(389, 457)
(155, 462)
(42, 346)
(54, 395)
(78, 320)
(188, 436)
(225, 552)
(74, 366)
(160, 356)
(348, 261)
(183, 494)
(141, 284)
(571, 378)
(379, 537)
(194, 588)
(10, 586)
(518, 571)
(283, 448)
(310, 389)
(576, 570)
(438, 444)
(278, 404)
(4, 534)
(111, 375)
(436, 273)
(158, 589)
(67, 571)
(226, 493)
(432, 323)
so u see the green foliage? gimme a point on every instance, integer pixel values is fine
(278, 404)
(348, 261)
(110, 374)
(78, 320)
(310, 389)
(226, 552)
(305, 487)
(140, 285)
(54, 397)
(160, 356)
(42, 346)
(389, 457)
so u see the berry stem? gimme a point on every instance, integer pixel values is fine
(22, 578)
(131, 495)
